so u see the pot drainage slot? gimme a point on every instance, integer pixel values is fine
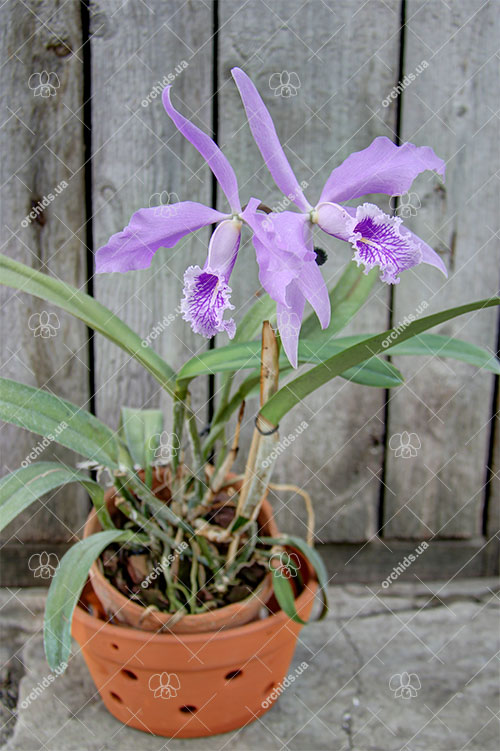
(188, 709)
(233, 674)
(116, 697)
(129, 674)
(115, 646)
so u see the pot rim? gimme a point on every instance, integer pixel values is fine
(262, 592)
(133, 634)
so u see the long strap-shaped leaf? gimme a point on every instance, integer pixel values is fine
(234, 357)
(87, 309)
(22, 487)
(66, 588)
(282, 587)
(58, 420)
(292, 393)
(373, 372)
(438, 345)
(445, 346)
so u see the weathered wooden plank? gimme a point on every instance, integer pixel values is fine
(345, 57)
(42, 156)
(346, 562)
(447, 405)
(140, 159)
(377, 560)
(492, 520)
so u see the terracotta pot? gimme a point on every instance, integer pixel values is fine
(121, 609)
(190, 685)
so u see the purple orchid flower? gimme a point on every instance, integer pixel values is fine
(206, 290)
(377, 238)
(287, 269)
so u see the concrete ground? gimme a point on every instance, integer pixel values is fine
(438, 641)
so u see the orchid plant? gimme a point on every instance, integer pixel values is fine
(185, 501)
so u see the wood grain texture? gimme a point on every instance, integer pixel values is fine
(42, 145)
(138, 155)
(346, 57)
(492, 515)
(447, 404)
(345, 562)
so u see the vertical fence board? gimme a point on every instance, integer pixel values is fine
(139, 153)
(492, 520)
(447, 404)
(42, 145)
(346, 58)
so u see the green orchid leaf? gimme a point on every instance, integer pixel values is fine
(90, 311)
(446, 346)
(295, 391)
(234, 357)
(314, 559)
(24, 486)
(141, 430)
(65, 590)
(59, 421)
(284, 594)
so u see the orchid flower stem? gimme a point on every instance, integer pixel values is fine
(167, 573)
(245, 553)
(220, 474)
(194, 439)
(193, 574)
(224, 397)
(178, 427)
(260, 463)
(221, 454)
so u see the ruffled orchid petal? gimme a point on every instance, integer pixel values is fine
(267, 140)
(289, 320)
(429, 255)
(382, 167)
(150, 229)
(209, 150)
(207, 294)
(378, 241)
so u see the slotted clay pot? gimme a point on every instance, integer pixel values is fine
(123, 610)
(190, 685)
